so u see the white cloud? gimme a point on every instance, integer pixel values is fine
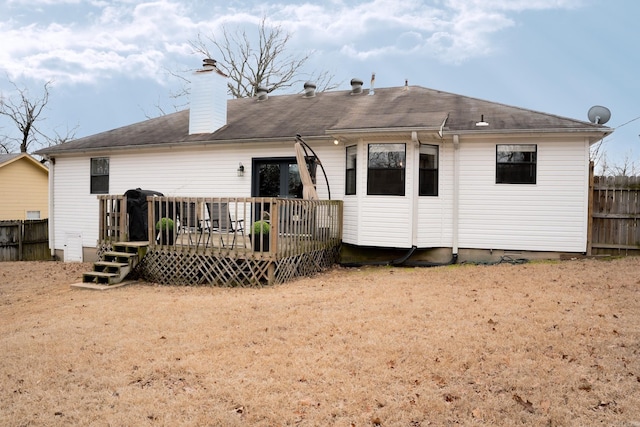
(134, 38)
(452, 31)
(121, 38)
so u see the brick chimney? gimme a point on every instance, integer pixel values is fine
(208, 109)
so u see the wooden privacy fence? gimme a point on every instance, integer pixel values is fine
(24, 240)
(615, 216)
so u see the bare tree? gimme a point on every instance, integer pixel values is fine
(627, 167)
(4, 146)
(249, 66)
(61, 138)
(25, 112)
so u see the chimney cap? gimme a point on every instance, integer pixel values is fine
(208, 65)
(209, 62)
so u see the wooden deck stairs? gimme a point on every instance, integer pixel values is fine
(115, 265)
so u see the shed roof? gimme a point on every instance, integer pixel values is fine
(397, 108)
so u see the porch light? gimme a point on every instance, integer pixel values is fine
(336, 141)
(240, 169)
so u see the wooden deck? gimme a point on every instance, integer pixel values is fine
(212, 243)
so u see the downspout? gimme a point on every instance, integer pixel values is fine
(416, 189)
(456, 194)
(52, 234)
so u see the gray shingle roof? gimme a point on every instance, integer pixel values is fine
(284, 116)
(8, 157)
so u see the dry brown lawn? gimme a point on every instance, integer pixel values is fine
(555, 343)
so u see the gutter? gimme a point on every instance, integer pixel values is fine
(173, 145)
(593, 135)
(376, 131)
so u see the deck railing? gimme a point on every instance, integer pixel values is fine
(227, 226)
(113, 225)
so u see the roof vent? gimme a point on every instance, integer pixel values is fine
(262, 93)
(309, 90)
(356, 86)
(482, 123)
(372, 90)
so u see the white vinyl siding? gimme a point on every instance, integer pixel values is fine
(385, 222)
(550, 215)
(435, 213)
(75, 210)
(382, 221)
(206, 172)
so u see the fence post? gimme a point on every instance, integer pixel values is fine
(20, 239)
(590, 210)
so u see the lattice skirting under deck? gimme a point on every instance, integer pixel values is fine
(175, 268)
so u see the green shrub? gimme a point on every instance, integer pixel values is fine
(164, 224)
(261, 227)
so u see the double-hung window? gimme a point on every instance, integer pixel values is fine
(516, 163)
(386, 169)
(100, 175)
(350, 179)
(428, 170)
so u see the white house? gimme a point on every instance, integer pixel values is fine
(417, 169)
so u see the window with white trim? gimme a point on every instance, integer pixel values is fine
(350, 175)
(428, 170)
(516, 163)
(100, 175)
(33, 214)
(386, 169)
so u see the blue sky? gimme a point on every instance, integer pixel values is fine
(108, 59)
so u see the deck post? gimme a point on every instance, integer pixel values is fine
(124, 226)
(271, 273)
(275, 229)
(151, 226)
(102, 202)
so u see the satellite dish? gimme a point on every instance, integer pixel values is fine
(599, 114)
